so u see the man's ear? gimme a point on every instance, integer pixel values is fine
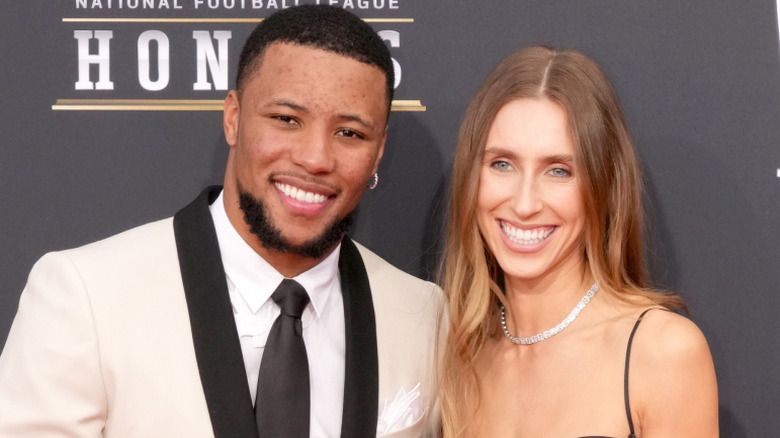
(230, 112)
(381, 150)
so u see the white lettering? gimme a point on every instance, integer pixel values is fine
(352, 4)
(144, 60)
(228, 4)
(394, 38)
(102, 58)
(207, 58)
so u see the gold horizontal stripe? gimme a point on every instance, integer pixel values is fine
(162, 20)
(139, 102)
(206, 20)
(135, 107)
(407, 105)
(176, 105)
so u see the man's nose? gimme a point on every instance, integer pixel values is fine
(314, 152)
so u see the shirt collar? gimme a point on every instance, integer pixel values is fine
(256, 279)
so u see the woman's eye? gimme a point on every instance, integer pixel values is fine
(500, 165)
(559, 171)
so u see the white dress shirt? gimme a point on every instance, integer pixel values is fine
(251, 281)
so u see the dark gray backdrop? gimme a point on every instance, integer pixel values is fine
(699, 82)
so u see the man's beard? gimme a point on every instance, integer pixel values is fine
(271, 237)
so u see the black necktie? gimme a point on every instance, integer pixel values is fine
(282, 406)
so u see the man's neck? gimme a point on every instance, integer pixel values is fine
(287, 263)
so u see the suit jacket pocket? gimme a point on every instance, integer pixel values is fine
(420, 428)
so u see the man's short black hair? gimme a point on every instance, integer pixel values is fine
(323, 27)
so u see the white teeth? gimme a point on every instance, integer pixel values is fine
(526, 237)
(300, 194)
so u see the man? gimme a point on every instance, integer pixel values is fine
(173, 329)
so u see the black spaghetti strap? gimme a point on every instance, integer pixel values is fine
(625, 374)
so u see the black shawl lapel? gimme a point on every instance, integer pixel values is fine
(214, 333)
(361, 376)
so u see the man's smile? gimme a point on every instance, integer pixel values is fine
(300, 194)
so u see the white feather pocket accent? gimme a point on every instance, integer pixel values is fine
(403, 411)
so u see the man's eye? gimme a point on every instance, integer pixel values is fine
(350, 133)
(285, 119)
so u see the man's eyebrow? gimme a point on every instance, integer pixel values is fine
(298, 107)
(288, 103)
(357, 119)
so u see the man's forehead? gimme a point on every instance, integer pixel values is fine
(284, 51)
(316, 81)
(308, 68)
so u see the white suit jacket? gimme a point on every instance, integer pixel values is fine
(134, 337)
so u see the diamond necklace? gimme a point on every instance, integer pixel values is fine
(541, 336)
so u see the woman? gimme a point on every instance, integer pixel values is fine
(545, 273)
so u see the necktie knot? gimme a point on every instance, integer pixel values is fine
(291, 298)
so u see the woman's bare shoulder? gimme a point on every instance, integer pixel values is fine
(672, 378)
(667, 335)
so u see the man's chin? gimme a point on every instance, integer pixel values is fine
(313, 247)
(275, 239)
